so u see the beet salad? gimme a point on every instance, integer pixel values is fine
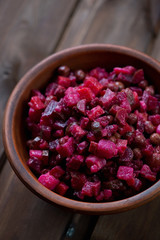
(95, 136)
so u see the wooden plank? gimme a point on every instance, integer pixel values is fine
(117, 22)
(140, 223)
(30, 32)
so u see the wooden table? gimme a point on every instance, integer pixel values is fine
(31, 30)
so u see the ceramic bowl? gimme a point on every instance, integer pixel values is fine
(84, 57)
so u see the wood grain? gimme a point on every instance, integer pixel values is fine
(117, 22)
(141, 223)
(33, 31)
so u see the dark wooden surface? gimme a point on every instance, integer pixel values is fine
(31, 30)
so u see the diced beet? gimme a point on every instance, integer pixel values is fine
(64, 81)
(91, 189)
(95, 112)
(91, 136)
(138, 76)
(62, 188)
(36, 92)
(57, 172)
(36, 103)
(81, 106)
(121, 145)
(82, 147)
(51, 89)
(66, 149)
(38, 143)
(107, 194)
(48, 181)
(152, 103)
(35, 164)
(137, 90)
(58, 133)
(125, 173)
(98, 73)
(125, 129)
(86, 93)
(59, 92)
(155, 119)
(107, 149)
(48, 112)
(109, 130)
(121, 116)
(125, 70)
(78, 180)
(74, 162)
(42, 155)
(147, 173)
(124, 78)
(93, 148)
(34, 115)
(114, 109)
(143, 106)
(84, 122)
(71, 97)
(137, 184)
(103, 121)
(77, 131)
(95, 163)
(108, 99)
(127, 156)
(45, 132)
(93, 84)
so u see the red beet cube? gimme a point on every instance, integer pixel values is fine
(48, 181)
(91, 189)
(138, 76)
(95, 112)
(98, 73)
(82, 147)
(64, 81)
(107, 149)
(86, 93)
(77, 131)
(155, 119)
(71, 97)
(147, 173)
(74, 162)
(62, 188)
(35, 164)
(78, 180)
(95, 163)
(36, 103)
(57, 172)
(125, 173)
(125, 70)
(66, 149)
(93, 84)
(108, 99)
(121, 116)
(41, 155)
(121, 145)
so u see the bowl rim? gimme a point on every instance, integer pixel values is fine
(27, 178)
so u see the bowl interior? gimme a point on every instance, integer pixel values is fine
(37, 78)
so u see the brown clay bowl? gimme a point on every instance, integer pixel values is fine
(85, 57)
